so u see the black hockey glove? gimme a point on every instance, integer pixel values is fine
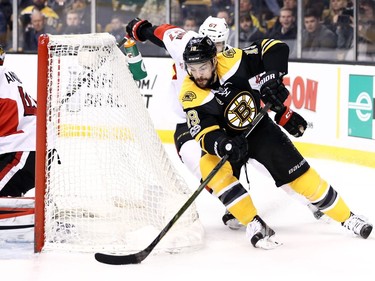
(273, 90)
(291, 121)
(134, 28)
(235, 148)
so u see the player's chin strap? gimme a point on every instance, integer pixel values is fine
(140, 256)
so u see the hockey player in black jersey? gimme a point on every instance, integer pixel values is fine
(220, 105)
(174, 40)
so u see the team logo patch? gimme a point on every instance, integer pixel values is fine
(241, 112)
(229, 53)
(189, 96)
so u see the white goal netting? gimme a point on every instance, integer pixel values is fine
(110, 185)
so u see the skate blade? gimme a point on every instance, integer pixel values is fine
(268, 243)
(234, 225)
(325, 219)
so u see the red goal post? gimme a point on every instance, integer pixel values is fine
(104, 181)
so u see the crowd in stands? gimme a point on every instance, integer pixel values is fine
(328, 25)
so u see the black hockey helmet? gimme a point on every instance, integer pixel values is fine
(199, 49)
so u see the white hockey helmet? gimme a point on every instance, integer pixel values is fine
(216, 29)
(2, 55)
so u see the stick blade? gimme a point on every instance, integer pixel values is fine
(117, 260)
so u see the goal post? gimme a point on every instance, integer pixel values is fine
(104, 182)
(40, 154)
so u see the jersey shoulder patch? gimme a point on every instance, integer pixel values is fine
(191, 95)
(228, 62)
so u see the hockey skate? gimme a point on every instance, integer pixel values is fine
(230, 221)
(261, 235)
(358, 225)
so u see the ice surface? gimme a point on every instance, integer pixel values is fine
(312, 250)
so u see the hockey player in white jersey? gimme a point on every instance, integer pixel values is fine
(17, 134)
(174, 40)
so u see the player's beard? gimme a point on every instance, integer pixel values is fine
(204, 83)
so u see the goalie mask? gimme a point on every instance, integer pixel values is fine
(216, 29)
(2, 55)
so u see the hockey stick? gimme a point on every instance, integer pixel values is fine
(140, 256)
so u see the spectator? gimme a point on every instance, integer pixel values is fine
(104, 12)
(248, 32)
(200, 9)
(316, 36)
(266, 8)
(317, 5)
(331, 15)
(73, 23)
(286, 30)
(33, 31)
(287, 4)
(5, 21)
(155, 11)
(51, 17)
(291, 4)
(3, 29)
(60, 6)
(218, 5)
(366, 30)
(342, 23)
(225, 14)
(17, 134)
(23, 4)
(85, 14)
(246, 7)
(190, 23)
(116, 27)
(126, 9)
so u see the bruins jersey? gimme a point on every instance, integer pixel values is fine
(231, 103)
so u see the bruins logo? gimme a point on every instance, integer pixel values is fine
(189, 96)
(229, 53)
(241, 111)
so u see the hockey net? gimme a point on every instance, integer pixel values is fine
(104, 181)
